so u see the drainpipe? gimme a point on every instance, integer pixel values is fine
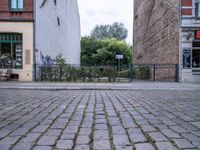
(34, 41)
(180, 44)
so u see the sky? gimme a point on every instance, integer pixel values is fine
(93, 12)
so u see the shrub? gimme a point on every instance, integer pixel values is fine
(142, 72)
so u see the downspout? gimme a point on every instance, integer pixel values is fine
(180, 42)
(34, 39)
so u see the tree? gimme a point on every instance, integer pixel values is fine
(103, 51)
(116, 30)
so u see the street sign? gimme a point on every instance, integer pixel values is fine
(119, 56)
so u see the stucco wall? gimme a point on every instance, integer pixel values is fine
(51, 38)
(156, 32)
(26, 29)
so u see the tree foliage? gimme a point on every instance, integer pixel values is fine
(116, 30)
(103, 51)
(60, 60)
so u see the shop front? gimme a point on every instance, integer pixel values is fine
(10, 51)
(16, 50)
(190, 63)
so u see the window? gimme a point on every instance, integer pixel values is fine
(196, 58)
(196, 55)
(197, 8)
(11, 50)
(55, 2)
(16, 4)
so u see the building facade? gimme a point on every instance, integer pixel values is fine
(190, 40)
(57, 30)
(30, 30)
(165, 32)
(16, 37)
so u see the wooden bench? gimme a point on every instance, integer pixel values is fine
(5, 74)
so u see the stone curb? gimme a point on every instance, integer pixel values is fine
(92, 88)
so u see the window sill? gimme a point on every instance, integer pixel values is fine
(16, 10)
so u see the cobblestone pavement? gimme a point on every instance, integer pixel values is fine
(99, 120)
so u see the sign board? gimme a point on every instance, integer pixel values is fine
(197, 35)
(27, 57)
(119, 56)
(187, 58)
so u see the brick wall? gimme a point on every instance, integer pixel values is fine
(136, 5)
(7, 14)
(187, 7)
(156, 32)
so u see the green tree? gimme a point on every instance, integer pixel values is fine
(103, 51)
(116, 30)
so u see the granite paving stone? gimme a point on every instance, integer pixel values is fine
(99, 119)
(135, 138)
(144, 146)
(170, 134)
(165, 146)
(102, 145)
(182, 143)
(64, 144)
(23, 146)
(157, 136)
(47, 140)
(101, 135)
(42, 148)
(120, 139)
(82, 147)
(82, 139)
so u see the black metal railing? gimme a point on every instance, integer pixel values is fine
(126, 73)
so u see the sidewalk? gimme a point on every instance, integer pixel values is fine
(99, 86)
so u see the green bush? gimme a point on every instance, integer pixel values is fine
(142, 72)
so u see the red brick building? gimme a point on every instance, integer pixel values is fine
(168, 32)
(16, 10)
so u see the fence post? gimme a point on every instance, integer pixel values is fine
(60, 75)
(90, 74)
(177, 73)
(154, 72)
(131, 72)
(35, 73)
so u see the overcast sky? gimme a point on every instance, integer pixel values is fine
(93, 12)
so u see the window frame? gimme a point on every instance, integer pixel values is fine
(17, 5)
(197, 10)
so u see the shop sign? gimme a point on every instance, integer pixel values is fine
(187, 58)
(197, 35)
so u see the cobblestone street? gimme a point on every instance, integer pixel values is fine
(99, 119)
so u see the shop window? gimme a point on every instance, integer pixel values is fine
(11, 51)
(196, 58)
(16, 4)
(196, 55)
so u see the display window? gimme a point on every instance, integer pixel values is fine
(11, 51)
(196, 55)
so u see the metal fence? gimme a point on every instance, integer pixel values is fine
(126, 73)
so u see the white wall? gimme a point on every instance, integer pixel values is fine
(53, 39)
